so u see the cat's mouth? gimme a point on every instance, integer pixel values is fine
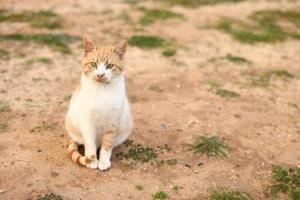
(102, 79)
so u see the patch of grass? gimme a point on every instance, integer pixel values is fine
(152, 15)
(286, 181)
(209, 145)
(40, 19)
(4, 126)
(139, 187)
(194, 3)
(43, 126)
(171, 161)
(176, 188)
(292, 16)
(132, 99)
(58, 42)
(4, 55)
(43, 60)
(49, 196)
(138, 152)
(155, 88)
(142, 154)
(161, 195)
(67, 98)
(227, 194)
(4, 106)
(169, 52)
(264, 27)
(146, 42)
(226, 93)
(236, 59)
(264, 79)
(216, 88)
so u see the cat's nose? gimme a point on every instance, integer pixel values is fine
(100, 75)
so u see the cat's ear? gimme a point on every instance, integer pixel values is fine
(88, 46)
(120, 49)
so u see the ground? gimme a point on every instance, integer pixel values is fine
(245, 93)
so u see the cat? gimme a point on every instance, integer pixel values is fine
(99, 112)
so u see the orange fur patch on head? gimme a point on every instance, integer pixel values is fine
(103, 54)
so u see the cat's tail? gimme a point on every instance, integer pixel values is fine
(76, 157)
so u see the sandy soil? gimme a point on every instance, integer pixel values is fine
(261, 127)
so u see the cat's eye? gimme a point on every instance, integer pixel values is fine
(94, 65)
(109, 66)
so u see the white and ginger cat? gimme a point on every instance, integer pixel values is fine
(99, 113)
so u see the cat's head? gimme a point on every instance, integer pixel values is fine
(103, 63)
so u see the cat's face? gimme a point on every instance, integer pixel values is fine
(103, 64)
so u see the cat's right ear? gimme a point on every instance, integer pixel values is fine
(88, 46)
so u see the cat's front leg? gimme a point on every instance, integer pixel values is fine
(106, 148)
(89, 135)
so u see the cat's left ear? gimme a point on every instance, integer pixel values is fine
(120, 49)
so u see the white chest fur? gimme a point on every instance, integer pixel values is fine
(100, 104)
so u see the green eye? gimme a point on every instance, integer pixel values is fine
(109, 66)
(94, 65)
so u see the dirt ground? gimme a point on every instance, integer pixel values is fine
(261, 127)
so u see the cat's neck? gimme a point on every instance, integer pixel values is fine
(116, 84)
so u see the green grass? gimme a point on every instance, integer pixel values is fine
(132, 99)
(43, 126)
(286, 181)
(226, 93)
(237, 59)
(43, 60)
(4, 126)
(216, 89)
(138, 152)
(209, 145)
(227, 194)
(49, 196)
(40, 19)
(142, 154)
(264, 79)
(58, 42)
(264, 27)
(176, 188)
(171, 161)
(169, 52)
(194, 3)
(153, 15)
(160, 195)
(146, 42)
(67, 98)
(4, 55)
(155, 88)
(4, 106)
(139, 187)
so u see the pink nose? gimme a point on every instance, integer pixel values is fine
(100, 75)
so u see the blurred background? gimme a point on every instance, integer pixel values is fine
(214, 89)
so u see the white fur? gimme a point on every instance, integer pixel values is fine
(96, 108)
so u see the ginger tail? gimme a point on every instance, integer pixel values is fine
(76, 157)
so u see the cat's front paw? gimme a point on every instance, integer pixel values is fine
(104, 164)
(93, 164)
